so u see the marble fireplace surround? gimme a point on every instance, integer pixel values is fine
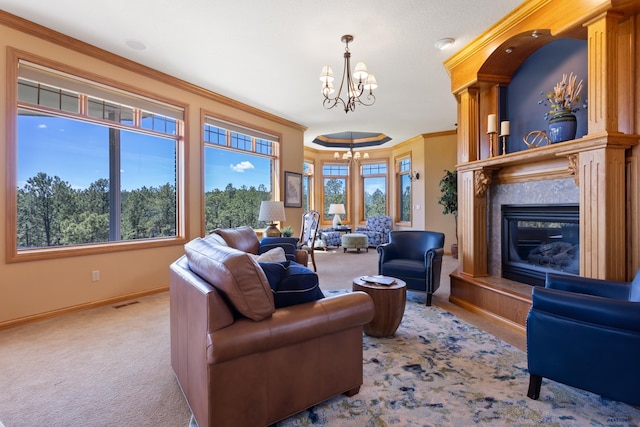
(555, 191)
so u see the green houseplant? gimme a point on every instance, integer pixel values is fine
(287, 231)
(449, 201)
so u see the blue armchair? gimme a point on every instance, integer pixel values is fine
(414, 256)
(586, 333)
(377, 229)
(288, 244)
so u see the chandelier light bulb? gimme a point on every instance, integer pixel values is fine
(360, 73)
(371, 83)
(328, 89)
(326, 76)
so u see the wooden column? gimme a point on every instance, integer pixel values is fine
(602, 170)
(472, 220)
(603, 73)
(602, 213)
(468, 126)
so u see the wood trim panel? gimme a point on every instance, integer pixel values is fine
(538, 171)
(633, 215)
(507, 303)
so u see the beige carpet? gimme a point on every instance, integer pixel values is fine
(110, 366)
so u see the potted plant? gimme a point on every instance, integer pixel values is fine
(449, 201)
(287, 231)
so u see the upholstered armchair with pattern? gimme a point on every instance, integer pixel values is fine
(586, 333)
(329, 237)
(377, 229)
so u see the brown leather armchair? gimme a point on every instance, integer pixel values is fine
(241, 362)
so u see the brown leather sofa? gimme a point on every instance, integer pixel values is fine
(241, 362)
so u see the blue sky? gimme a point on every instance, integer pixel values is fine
(223, 167)
(78, 153)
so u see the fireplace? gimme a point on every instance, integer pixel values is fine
(539, 238)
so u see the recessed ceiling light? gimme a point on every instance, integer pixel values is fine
(135, 44)
(444, 43)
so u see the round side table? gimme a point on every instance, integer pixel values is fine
(389, 301)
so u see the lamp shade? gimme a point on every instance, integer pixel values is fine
(271, 211)
(336, 209)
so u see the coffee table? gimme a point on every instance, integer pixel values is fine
(389, 300)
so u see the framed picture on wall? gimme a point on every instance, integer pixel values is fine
(292, 189)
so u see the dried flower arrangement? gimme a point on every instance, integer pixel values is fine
(564, 97)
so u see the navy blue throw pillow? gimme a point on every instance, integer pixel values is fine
(299, 285)
(274, 271)
(291, 283)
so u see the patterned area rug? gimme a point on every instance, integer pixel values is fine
(440, 371)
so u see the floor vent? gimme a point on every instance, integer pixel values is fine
(126, 304)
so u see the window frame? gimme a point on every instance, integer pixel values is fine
(13, 254)
(308, 183)
(400, 174)
(363, 177)
(347, 205)
(248, 130)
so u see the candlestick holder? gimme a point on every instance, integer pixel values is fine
(504, 143)
(491, 134)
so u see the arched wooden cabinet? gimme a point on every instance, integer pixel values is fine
(603, 164)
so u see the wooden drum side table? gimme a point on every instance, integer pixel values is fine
(389, 300)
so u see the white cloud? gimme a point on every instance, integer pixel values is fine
(42, 126)
(242, 166)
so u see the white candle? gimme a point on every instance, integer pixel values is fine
(504, 128)
(492, 124)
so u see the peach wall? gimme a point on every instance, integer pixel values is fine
(38, 288)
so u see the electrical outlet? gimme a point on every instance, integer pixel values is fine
(95, 275)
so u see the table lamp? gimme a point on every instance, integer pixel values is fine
(337, 209)
(271, 212)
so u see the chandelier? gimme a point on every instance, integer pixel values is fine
(350, 156)
(360, 83)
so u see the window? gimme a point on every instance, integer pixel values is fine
(335, 188)
(404, 189)
(307, 185)
(95, 165)
(239, 170)
(374, 184)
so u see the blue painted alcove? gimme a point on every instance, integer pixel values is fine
(540, 73)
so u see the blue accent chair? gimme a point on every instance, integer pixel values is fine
(376, 229)
(414, 256)
(585, 333)
(288, 244)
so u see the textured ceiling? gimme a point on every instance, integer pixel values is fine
(268, 54)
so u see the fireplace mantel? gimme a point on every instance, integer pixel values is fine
(547, 162)
(553, 151)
